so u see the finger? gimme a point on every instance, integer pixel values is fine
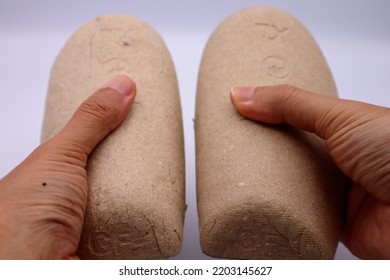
(356, 133)
(97, 116)
(357, 197)
(305, 110)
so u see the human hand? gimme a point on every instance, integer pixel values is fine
(357, 136)
(42, 201)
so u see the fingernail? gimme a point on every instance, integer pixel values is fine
(122, 84)
(243, 93)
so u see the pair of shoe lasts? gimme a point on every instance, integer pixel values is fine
(263, 192)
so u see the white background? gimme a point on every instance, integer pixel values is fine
(354, 36)
(281, 270)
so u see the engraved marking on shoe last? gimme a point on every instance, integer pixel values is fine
(271, 31)
(117, 237)
(103, 243)
(271, 241)
(276, 66)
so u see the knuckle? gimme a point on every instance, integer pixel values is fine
(288, 92)
(286, 100)
(288, 89)
(95, 109)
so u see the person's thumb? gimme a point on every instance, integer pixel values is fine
(97, 116)
(305, 110)
(356, 133)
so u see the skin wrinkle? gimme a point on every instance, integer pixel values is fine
(288, 92)
(343, 119)
(319, 124)
(358, 157)
(385, 178)
(68, 198)
(68, 153)
(60, 243)
(344, 146)
(289, 97)
(353, 155)
(326, 119)
(66, 202)
(100, 110)
(72, 149)
(61, 218)
(336, 120)
(375, 175)
(52, 163)
(92, 110)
